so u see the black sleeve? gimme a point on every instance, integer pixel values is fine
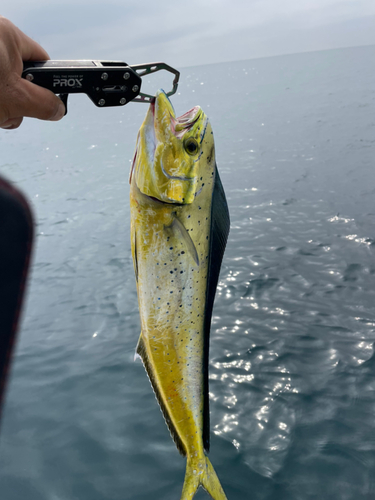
(16, 237)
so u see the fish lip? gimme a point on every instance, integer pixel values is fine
(185, 122)
(184, 118)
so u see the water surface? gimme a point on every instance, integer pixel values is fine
(292, 346)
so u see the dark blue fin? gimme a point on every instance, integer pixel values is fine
(218, 239)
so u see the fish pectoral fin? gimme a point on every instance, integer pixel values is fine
(189, 243)
(201, 474)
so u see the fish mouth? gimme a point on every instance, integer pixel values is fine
(185, 122)
(189, 116)
(181, 124)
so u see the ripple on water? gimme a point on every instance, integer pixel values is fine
(293, 316)
(254, 412)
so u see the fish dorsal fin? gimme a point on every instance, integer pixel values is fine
(219, 231)
(189, 243)
(141, 350)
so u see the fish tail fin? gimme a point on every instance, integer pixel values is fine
(204, 476)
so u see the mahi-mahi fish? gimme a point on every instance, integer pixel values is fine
(179, 229)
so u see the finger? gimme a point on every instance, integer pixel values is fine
(36, 102)
(11, 124)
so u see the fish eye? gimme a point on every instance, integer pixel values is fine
(191, 146)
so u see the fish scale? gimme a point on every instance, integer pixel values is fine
(172, 247)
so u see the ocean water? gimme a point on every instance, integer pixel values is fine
(292, 364)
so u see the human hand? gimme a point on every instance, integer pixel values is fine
(19, 97)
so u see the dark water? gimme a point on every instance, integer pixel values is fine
(292, 361)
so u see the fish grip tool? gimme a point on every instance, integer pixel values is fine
(107, 83)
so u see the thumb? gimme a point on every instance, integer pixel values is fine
(36, 102)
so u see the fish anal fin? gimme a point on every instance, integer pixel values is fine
(141, 350)
(189, 243)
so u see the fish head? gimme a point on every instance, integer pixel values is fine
(171, 152)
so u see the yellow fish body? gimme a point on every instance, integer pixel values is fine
(179, 229)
